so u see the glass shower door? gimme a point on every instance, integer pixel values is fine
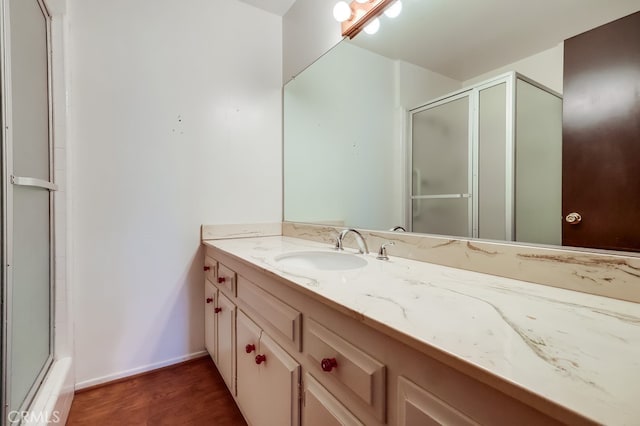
(28, 205)
(440, 163)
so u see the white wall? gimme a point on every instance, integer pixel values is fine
(344, 146)
(175, 121)
(545, 67)
(417, 85)
(308, 31)
(339, 137)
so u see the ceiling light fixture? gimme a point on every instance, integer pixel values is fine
(342, 11)
(358, 14)
(394, 10)
(372, 27)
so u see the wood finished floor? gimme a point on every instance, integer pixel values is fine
(192, 393)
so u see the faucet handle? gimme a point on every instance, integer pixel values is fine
(382, 253)
(398, 228)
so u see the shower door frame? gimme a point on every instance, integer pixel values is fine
(473, 92)
(8, 182)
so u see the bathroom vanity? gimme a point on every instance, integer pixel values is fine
(403, 342)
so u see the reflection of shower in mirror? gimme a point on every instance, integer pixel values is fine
(470, 149)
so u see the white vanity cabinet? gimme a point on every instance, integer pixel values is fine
(268, 378)
(291, 358)
(263, 378)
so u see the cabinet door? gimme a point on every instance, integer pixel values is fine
(279, 379)
(417, 406)
(268, 378)
(323, 409)
(248, 387)
(210, 303)
(226, 316)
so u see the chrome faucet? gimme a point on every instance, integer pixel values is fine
(362, 244)
(382, 253)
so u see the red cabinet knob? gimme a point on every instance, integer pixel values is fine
(221, 280)
(328, 364)
(250, 348)
(260, 358)
(217, 310)
(209, 299)
(206, 268)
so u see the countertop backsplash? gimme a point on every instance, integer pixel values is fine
(610, 275)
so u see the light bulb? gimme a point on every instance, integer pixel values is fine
(342, 11)
(372, 27)
(394, 10)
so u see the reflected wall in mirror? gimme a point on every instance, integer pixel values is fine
(350, 121)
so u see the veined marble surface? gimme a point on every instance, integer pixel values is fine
(611, 274)
(221, 232)
(579, 350)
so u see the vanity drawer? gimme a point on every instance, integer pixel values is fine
(226, 279)
(321, 408)
(351, 367)
(210, 268)
(282, 318)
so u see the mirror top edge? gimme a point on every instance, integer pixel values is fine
(319, 58)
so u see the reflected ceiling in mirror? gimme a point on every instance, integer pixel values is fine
(466, 38)
(347, 132)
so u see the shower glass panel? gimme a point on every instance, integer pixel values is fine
(440, 161)
(450, 216)
(492, 143)
(31, 340)
(538, 177)
(29, 204)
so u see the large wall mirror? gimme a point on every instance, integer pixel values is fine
(447, 121)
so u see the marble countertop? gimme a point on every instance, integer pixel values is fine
(579, 350)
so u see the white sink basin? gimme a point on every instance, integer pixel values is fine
(321, 260)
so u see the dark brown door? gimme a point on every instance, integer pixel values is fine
(601, 137)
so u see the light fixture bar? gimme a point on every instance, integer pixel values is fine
(362, 15)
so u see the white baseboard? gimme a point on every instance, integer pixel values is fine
(138, 370)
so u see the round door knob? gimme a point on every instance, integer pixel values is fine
(328, 364)
(250, 348)
(209, 299)
(221, 280)
(260, 359)
(206, 268)
(573, 218)
(217, 310)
